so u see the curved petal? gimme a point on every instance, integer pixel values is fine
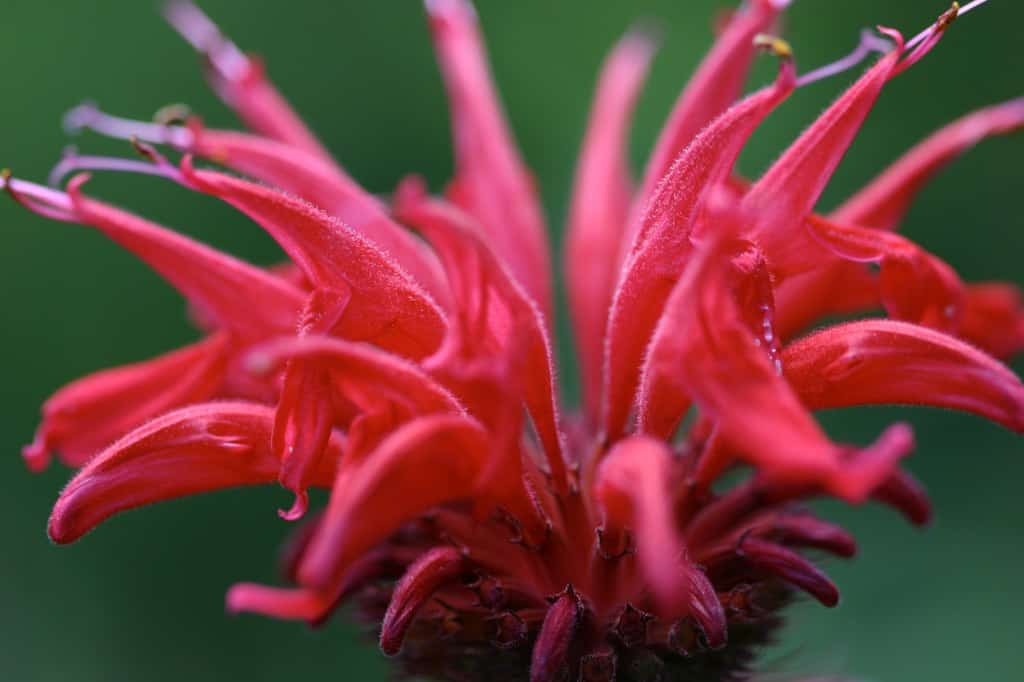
(386, 307)
(491, 181)
(90, 413)
(600, 206)
(713, 88)
(362, 367)
(913, 284)
(216, 284)
(883, 203)
(493, 312)
(424, 463)
(428, 573)
(786, 194)
(196, 449)
(306, 175)
(633, 488)
(873, 362)
(993, 318)
(662, 245)
(240, 80)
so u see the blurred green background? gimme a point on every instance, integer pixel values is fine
(141, 598)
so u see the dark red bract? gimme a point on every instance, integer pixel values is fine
(402, 359)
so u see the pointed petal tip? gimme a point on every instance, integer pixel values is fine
(298, 509)
(36, 455)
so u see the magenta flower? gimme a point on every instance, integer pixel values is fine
(402, 360)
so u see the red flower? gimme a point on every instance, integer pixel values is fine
(412, 374)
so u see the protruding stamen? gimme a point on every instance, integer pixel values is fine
(156, 165)
(87, 116)
(202, 33)
(869, 44)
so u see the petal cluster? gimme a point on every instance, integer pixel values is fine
(402, 359)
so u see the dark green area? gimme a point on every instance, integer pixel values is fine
(141, 598)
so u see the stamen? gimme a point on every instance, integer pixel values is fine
(202, 33)
(87, 116)
(156, 165)
(869, 44)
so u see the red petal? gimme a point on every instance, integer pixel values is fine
(218, 285)
(90, 413)
(600, 206)
(713, 88)
(913, 284)
(324, 184)
(551, 650)
(432, 570)
(278, 602)
(492, 311)
(661, 247)
(884, 202)
(386, 308)
(493, 184)
(424, 463)
(196, 449)
(783, 198)
(240, 80)
(633, 488)
(993, 318)
(881, 361)
(359, 369)
(733, 379)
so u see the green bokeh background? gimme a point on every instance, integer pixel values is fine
(141, 598)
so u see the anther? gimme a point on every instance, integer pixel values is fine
(172, 115)
(774, 45)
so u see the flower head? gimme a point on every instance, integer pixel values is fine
(402, 359)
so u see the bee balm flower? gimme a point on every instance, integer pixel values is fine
(402, 359)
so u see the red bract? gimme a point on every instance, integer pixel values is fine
(402, 359)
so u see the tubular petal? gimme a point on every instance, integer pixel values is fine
(788, 191)
(734, 381)
(883, 361)
(195, 449)
(90, 413)
(482, 287)
(386, 308)
(358, 369)
(633, 488)
(422, 464)
(491, 182)
(713, 88)
(277, 602)
(663, 243)
(993, 318)
(883, 203)
(432, 570)
(551, 650)
(216, 284)
(600, 205)
(913, 284)
(240, 80)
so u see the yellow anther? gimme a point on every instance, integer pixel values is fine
(773, 44)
